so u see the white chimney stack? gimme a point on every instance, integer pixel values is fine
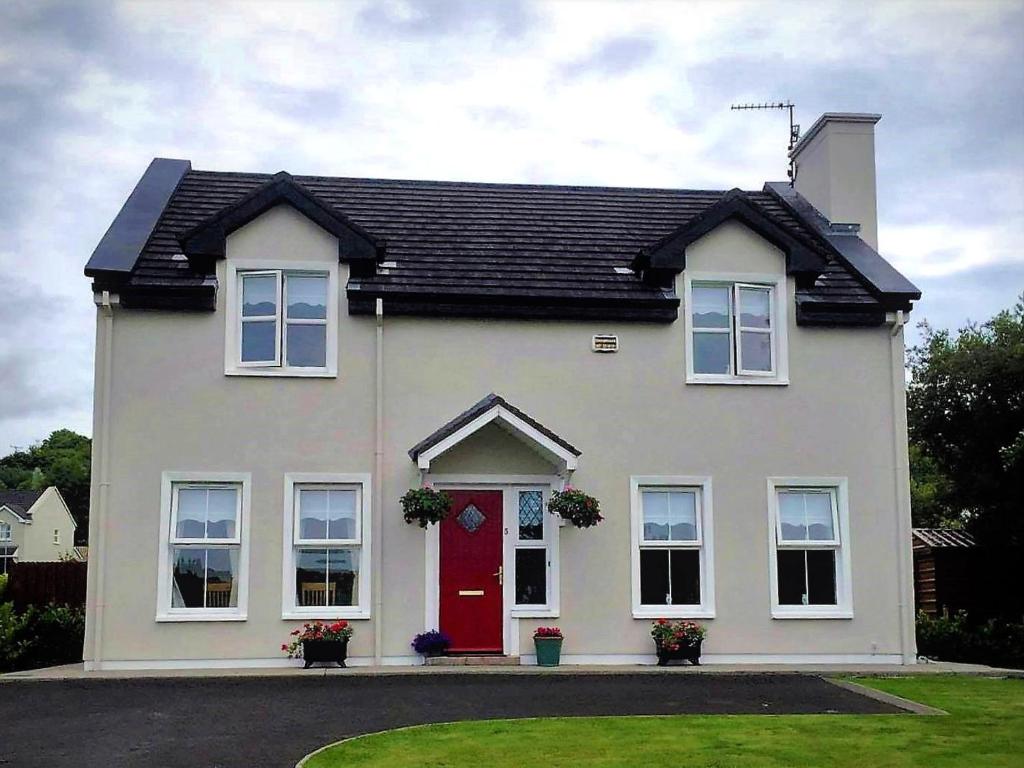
(835, 170)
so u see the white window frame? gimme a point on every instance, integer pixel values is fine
(705, 545)
(294, 481)
(233, 365)
(778, 301)
(6, 532)
(547, 542)
(56, 537)
(838, 487)
(170, 482)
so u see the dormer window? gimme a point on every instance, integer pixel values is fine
(282, 322)
(736, 330)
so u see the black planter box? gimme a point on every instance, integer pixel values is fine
(327, 651)
(689, 653)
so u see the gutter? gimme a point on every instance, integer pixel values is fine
(378, 489)
(901, 479)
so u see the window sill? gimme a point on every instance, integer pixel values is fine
(767, 381)
(540, 612)
(337, 613)
(812, 613)
(291, 373)
(674, 612)
(177, 617)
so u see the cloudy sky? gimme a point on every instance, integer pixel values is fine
(560, 92)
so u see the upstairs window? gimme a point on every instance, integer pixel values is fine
(282, 321)
(5, 531)
(736, 332)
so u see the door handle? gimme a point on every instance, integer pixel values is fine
(500, 573)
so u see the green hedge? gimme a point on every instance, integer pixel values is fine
(40, 637)
(953, 638)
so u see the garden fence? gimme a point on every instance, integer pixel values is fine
(62, 583)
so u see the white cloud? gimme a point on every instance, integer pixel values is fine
(488, 91)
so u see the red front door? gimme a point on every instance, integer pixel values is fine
(470, 567)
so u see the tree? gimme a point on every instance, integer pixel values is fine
(966, 420)
(63, 459)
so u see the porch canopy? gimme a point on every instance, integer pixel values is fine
(496, 409)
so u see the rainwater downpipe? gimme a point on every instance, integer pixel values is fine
(905, 596)
(378, 492)
(103, 487)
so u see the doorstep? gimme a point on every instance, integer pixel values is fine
(469, 660)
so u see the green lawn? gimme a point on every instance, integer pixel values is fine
(985, 728)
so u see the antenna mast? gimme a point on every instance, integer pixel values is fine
(794, 129)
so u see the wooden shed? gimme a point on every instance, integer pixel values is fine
(945, 564)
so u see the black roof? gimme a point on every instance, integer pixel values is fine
(483, 406)
(20, 501)
(479, 249)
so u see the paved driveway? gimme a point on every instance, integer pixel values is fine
(250, 722)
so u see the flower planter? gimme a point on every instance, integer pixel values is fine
(549, 651)
(315, 651)
(684, 651)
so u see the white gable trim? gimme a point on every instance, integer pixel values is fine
(20, 519)
(63, 504)
(509, 419)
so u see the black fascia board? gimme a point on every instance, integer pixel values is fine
(883, 280)
(483, 406)
(206, 241)
(670, 252)
(120, 247)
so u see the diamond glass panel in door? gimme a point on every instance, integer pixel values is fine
(471, 519)
(259, 318)
(531, 516)
(326, 577)
(711, 329)
(306, 320)
(755, 329)
(806, 516)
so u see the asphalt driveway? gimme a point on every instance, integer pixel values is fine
(250, 722)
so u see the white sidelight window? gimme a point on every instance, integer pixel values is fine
(282, 322)
(810, 557)
(534, 531)
(672, 555)
(736, 331)
(327, 561)
(204, 529)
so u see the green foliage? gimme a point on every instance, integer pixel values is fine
(63, 459)
(953, 638)
(40, 637)
(966, 420)
(579, 508)
(3, 585)
(425, 506)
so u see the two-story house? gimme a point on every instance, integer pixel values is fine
(279, 358)
(35, 526)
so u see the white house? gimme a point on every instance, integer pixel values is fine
(279, 358)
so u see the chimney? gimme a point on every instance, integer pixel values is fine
(835, 170)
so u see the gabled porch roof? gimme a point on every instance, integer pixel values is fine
(494, 408)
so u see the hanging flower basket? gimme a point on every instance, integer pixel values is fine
(425, 506)
(576, 507)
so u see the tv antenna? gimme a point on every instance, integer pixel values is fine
(794, 129)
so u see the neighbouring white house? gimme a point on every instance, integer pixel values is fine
(35, 526)
(280, 358)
